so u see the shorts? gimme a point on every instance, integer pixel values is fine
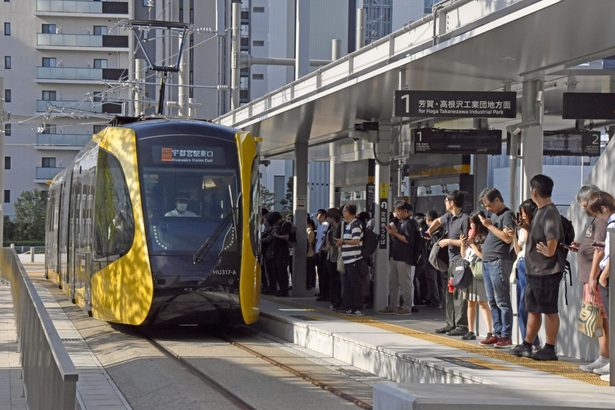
(542, 293)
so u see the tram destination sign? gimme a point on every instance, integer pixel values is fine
(443, 141)
(477, 104)
(575, 144)
(589, 106)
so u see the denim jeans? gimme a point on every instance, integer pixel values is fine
(352, 291)
(496, 274)
(521, 284)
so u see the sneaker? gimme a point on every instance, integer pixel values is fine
(522, 350)
(444, 329)
(389, 310)
(606, 377)
(490, 340)
(469, 336)
(402, 311)
(544, 354)
(357, 313)
(599, 362)
(503, 343)
(606, 369)
(414, 309)
(348, 312)
(458, 331)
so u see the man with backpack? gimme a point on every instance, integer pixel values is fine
(404, 235)
(545, 267)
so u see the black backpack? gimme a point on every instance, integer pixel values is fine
(370, 242)
(418, 245)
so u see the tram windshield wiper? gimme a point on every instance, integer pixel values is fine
(200, 253)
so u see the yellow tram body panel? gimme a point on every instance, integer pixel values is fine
(123, 290)
(250, 277)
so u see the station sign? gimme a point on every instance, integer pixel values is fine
(589, 106)
(575, 144)
(458, 104)
(444, 141)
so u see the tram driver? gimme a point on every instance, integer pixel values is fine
(181, 208)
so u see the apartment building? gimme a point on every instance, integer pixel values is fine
(62, 61)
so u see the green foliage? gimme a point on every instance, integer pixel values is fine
(287, 201)
(30, 210)
(266, 197)
(9, 229)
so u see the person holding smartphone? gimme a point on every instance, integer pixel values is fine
(602, 204)
(497, 265)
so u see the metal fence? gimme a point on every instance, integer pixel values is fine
(49, 374)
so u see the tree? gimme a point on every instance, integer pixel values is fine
(267, 198)
(287, 201)
(9, 229)
(30, 209)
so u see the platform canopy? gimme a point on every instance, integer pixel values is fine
(486, 45)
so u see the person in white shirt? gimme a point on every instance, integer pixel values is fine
(181, 208)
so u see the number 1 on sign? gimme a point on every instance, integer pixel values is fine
(406, 98)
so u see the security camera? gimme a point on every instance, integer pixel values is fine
(265, 162)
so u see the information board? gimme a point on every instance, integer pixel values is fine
(589, 106)
(575, 144)
(445, 141)
(464, 104)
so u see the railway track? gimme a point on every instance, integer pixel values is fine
(245, 347)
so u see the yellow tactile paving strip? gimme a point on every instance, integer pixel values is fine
(559, 368)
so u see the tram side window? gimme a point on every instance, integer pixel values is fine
(254, 209)
(114, 222)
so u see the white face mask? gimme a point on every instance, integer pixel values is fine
(182, 207)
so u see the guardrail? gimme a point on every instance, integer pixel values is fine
(49, 374)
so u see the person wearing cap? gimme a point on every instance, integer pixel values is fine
(181, 208)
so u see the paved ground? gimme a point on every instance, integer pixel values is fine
(11, 383)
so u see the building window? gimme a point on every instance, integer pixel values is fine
(7, 130)
(7, 29)
(49, 129)
(7, 192)
(100, 30)
(7, 62)
(49, 95)
(258, 76)
(49, 29)
(258, 9)
(98, 128)
(258, 43)
(8, 96)
(100, 63)
(49, 62)
(7, 162)
(49, 162)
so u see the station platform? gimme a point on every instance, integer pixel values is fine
(427, 370)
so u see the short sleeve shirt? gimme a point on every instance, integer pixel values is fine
(399, 249)
(494, 248)
(280, 246)
(546, 225)
(594, 232)
(352, 230)
(455, 226)
(607, 245)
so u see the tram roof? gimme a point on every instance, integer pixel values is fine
(159, 126)
(485, 45)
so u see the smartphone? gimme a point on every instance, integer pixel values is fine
(598, 244)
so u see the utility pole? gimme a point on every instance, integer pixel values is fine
(3, 117)
(235, 50)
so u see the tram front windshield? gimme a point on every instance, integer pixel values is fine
(188, 196)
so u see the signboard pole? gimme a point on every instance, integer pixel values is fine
(382, 205)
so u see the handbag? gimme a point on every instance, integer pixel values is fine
(437, 257)
(477, 269)
(590, 319)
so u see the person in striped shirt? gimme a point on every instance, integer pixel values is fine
(354, 265)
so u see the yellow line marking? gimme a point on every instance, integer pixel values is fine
(559, 368)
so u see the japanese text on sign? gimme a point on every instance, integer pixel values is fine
(455, 104)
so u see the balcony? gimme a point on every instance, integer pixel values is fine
(54, 7)
(69, 74)
(80, 41)
(61, 142)
(43, 174)
(79, 106)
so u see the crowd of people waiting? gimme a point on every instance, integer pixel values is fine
(526, 249)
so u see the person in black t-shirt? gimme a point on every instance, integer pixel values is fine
(277, 249)
(457, 223)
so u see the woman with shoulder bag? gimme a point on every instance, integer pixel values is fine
(475, 295)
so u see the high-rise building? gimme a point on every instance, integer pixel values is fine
(62, 63)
